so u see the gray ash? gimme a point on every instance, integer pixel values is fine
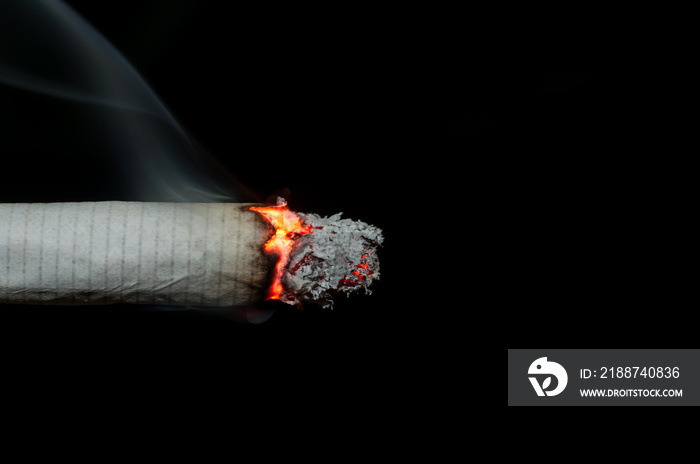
(339, 255)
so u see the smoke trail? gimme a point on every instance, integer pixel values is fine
(75, 103)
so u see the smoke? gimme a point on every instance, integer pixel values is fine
(71, 103)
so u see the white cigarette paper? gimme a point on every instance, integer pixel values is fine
(199, 254)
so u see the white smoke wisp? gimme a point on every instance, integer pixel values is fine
(48, 50)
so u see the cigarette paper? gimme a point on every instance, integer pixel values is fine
(180, 254)
(200, 254)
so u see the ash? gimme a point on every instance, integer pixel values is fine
(339, 255)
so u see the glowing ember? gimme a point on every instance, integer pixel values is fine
(288, 227)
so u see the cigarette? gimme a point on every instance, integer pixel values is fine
(180, 254)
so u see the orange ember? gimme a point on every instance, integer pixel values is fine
(288, 227)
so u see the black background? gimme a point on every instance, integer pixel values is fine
(342, 116)
(522, 202)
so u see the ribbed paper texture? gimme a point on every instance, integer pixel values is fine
(200, 254)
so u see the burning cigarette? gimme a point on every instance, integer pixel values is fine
(196, 254)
